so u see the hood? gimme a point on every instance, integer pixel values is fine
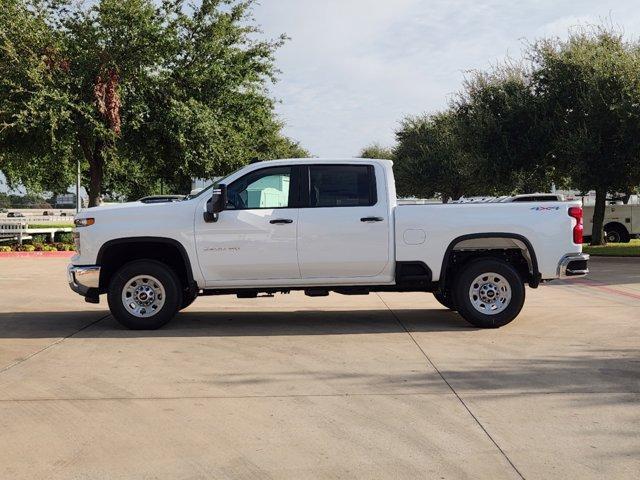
(109, 207)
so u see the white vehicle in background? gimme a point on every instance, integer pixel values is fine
(321, 226)
(621, 222)
(535, 197)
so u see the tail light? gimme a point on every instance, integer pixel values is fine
(576, 212)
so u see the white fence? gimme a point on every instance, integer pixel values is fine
(21, 231)
(37, 219)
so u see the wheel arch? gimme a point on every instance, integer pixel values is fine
(116, 252)
(529, 253)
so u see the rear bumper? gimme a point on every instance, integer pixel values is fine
(84, 280)
(573, 265)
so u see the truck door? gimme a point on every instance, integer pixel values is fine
(344, 223)
(254, 238)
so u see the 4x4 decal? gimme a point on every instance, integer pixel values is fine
(544, 209)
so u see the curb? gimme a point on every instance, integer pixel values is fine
(55, 254)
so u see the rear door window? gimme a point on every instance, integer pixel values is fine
(342, 186)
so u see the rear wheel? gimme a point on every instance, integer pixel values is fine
(144, 294)
(616, 233)
(489, 293)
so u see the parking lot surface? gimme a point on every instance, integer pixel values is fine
(379, 386)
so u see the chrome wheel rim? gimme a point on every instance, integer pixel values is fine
(490, 293)
(143, 296)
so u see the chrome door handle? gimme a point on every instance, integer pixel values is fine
(371, 219)
(281, 221)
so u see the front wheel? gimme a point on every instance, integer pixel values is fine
(489, 293)
(144, 294)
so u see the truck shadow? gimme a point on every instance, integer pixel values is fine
(196, 323)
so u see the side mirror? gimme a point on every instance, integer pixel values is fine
(216, 204)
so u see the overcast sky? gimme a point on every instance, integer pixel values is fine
(353, 68)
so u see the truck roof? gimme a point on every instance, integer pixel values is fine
(315, 160)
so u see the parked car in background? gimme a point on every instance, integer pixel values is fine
(161, 198)
(15, 215)
(321, 226)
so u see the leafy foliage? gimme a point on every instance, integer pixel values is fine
(377, 151)
(141, 92)
(591, 83)
(505, 127)
(430, 160)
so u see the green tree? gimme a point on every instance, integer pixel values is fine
(505, 126)
(431, 161)
(592, 83)
(141, 92)
(5, 202)
(375, 150)
(35, 141)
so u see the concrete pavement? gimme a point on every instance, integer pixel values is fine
(380, 386)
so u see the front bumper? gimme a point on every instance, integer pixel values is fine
(573, 265)
(84, 280)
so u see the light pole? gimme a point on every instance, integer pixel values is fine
(78, 202)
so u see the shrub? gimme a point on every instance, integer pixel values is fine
(63, 247)
(49, 248)
(39, 238)
(64, 237)
(5, 248)
(27, 248)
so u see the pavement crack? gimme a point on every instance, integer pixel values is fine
(462, 402)
(52, 344)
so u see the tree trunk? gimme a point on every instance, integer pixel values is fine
(96, 174)
(597, 235)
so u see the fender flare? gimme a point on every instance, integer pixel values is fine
(168, 241)
(535, 277)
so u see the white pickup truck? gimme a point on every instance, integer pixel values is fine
(320, 226)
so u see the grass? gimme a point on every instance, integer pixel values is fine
(631, 249)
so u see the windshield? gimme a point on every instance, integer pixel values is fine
(213, 185)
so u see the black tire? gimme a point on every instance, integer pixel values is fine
(463, 296)
(187, 299)
(165, 278)
(616, 233)
(445, 299)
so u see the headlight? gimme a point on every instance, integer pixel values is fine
(84, 222)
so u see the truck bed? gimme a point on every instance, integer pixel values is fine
(425, 232)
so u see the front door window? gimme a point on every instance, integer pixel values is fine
(266, 188)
